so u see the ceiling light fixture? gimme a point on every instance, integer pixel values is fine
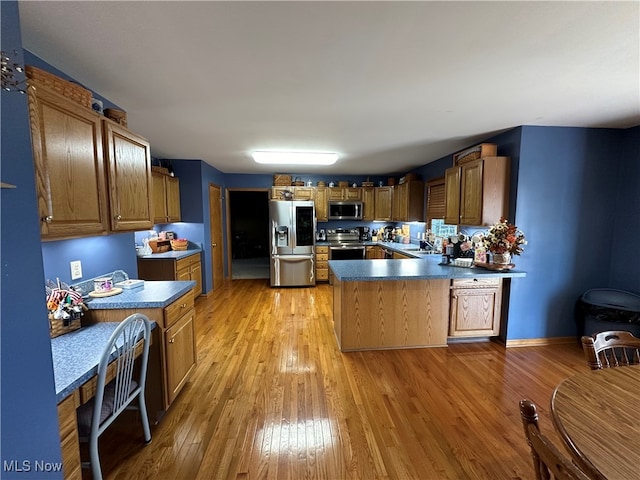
(295, 158)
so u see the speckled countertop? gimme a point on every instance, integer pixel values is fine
(171, 254)
(152, 294)
(426, 268)
(76, 356)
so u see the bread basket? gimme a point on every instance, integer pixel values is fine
(179, 244)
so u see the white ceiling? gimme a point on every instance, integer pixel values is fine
(387, 85)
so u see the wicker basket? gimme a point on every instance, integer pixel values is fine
(281, 180)
(118, 116)
(179, 244)
(58, 327)
(474, 153)
(68, 89)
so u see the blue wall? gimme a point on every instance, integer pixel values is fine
(29, 415)
(626, 214)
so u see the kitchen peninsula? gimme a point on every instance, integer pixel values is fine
(385, 304)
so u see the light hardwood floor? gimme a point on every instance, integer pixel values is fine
(273, 398)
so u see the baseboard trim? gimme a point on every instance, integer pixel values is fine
(538, 342)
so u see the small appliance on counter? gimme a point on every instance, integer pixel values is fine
(321, 236)
(365, 234)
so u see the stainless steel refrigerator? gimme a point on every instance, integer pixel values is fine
(293, 235)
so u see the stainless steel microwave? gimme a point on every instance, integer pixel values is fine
(345, 210)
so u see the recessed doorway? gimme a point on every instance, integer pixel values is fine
(249, 234)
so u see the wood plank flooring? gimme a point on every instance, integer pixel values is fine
(273, 398)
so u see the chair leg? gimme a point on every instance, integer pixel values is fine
(95, 458)
(145, 418)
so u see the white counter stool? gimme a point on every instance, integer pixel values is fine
(111, 399)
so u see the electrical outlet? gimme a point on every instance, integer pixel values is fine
(76, 270)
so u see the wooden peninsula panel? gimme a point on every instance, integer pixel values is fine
(390, 314)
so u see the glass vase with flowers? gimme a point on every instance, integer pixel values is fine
(504, 240)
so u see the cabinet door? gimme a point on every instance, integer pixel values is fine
(159, 200)
(196, 276)
(399, 208)
(452, 196)
(334, 193)
(368, 201)
(68, 159)
(471, 193)
(303, 193)
(180, 351)
(352, 193)
(383, 203)
(320, 201)
(128, 160)
(475, 312)
(172, 190)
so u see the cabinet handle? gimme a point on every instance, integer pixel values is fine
(47, 219)
(118, 217)
(171, 340)
(184, 305)
(214, 244)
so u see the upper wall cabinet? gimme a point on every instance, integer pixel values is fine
(408, 202)
(68, 156)
(166, 198)
(128, 160)
(383, 203)
(477, 192)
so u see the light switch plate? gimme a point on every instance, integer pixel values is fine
(76, 270)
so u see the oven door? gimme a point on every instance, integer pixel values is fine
(347, 252)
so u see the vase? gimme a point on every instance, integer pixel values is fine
(502, 258)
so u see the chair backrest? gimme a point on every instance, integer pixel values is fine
(547, 459)
(129, 340)
(611, 349)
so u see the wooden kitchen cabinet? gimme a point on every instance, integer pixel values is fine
(69, 441)
(368, 203)
(166, 198)
(344, 193)
(176, 334)
(373, 252)
(408, 202)
(476, 306)
(322, 265)
(180, 348)
(383, 203)
(69, 167)
(320, 200)
(186, 268)
(477, 192)
(128, 159)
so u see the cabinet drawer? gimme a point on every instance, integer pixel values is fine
(322, 249)
(322, 257)
(178, 308)
(322, 274)
(323, 264)
(186, 262)
(475, 282)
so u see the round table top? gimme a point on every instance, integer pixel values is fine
(597, 415)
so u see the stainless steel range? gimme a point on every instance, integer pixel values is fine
(345, 244)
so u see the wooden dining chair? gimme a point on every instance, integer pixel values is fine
(547, 459)
(112, 397)
(611, 349)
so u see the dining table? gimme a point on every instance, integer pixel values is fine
(597, 415)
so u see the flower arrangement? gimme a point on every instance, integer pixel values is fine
(504, 237)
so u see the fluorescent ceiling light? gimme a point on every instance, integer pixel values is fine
(295, 158)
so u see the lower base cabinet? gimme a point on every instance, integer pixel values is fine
(475, 307)
(186, 268)
(68, 420)
(322, 265)
(176, 337)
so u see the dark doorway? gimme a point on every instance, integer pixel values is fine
(249, 225)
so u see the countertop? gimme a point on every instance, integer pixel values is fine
(76, 355)
(176, 254)
(152, 294)
(425, 268)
